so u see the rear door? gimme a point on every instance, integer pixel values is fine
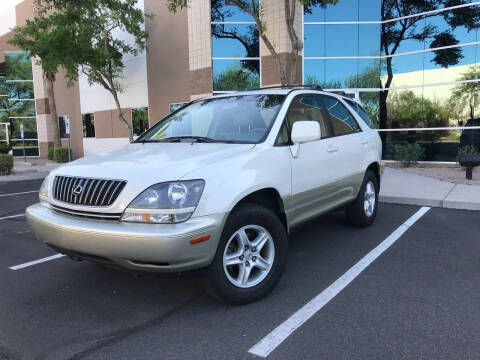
(350, 146)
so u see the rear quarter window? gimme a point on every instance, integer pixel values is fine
(360, 111)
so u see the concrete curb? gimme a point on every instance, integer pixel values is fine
(400, 187)
(20, 177)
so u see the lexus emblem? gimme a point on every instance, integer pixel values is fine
(77, 190)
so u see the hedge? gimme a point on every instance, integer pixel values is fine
(6, 164)
(60, 154)
(50, 153)
(4, 148)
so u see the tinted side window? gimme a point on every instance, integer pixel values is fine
(360, 111)
(342, 122)
(307, 108)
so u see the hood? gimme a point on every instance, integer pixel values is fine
(152, 163)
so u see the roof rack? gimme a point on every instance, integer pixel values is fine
(294, 86)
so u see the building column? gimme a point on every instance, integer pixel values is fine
(274, 18)
(200, 49)
(45, 134)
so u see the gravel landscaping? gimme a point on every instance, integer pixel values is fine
(452, 173)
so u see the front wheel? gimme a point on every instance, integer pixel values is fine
(363, 210)
(250, 257)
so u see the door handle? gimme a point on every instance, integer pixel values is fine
(332, 149)
(363, 141)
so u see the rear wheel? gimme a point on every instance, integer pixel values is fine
(250, 257)
(363, 210)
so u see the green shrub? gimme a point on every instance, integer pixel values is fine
(467, 150)
(50, 153)
(408, 154)
(6, 164)
(4, 148)
(60, 155)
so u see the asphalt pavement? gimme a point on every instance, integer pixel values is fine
(417, 300)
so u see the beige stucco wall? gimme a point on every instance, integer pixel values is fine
(200, 48)
(167, 59)
(108, 125)
(441, 92)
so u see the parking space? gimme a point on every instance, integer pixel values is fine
(418, 299)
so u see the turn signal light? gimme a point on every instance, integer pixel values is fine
(199, 239)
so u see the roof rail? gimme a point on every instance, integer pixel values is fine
(312, 86)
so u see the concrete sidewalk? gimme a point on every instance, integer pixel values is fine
(29, 170)
(401, 187)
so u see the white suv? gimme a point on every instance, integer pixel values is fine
(218, 184)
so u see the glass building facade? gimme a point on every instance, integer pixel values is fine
(434, 90)
(235, 49)
(17, 104)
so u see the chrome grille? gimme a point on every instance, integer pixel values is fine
(86, 191)
(88, 214)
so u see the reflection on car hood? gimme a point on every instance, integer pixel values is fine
(152, 162)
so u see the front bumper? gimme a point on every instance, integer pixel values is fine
(140, 247)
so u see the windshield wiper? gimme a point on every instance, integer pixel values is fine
(195, 138)
(148, 141)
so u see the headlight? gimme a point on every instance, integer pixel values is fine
(170, 202)
(44, 189)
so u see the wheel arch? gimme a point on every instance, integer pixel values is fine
(375, 168)
(269, 198)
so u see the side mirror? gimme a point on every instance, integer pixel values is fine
(305, 131)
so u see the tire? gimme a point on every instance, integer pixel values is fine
(358, 213)
(247, 225)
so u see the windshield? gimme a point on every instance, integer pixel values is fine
(233, 119)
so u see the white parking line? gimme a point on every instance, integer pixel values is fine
(20, 193)
(270, 342)
(35, 262)
(11, 216)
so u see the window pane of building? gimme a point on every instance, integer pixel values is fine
(18, 66)
(29, 128)
(140, 120)
(21, 108)
(235, 74)
(19, 90)
(344, 10)
(235, 40)
(369, 10)
(17, 85)
(61, 127)
(88, 122)
(330, 74)
(31, 148)
(222, 12)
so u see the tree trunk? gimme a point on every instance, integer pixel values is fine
(383, 115)
(122, 118)
(49, 79)
(472, 111)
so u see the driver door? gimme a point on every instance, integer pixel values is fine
(315, 166)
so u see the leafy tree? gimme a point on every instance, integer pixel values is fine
(235, 77)
(313, 80)
(467, 94)
(83, 35)
(288, 68)
(408, 110)
(416, 28)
